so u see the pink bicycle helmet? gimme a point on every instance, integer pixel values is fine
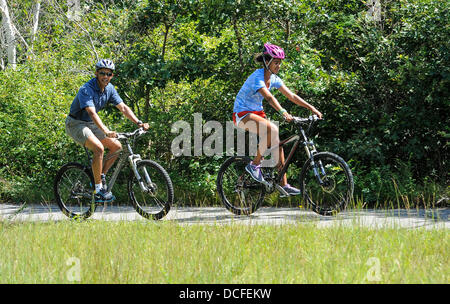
(273, 51)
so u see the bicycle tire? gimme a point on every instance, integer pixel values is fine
(337, 189)
(232, 178)
(156, 203)
(74, 189)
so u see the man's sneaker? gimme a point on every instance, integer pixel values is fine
(104, 197)
(255, 172)
(290, 190)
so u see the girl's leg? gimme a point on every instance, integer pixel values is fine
(266, 131)
(269, 136)
(281, 164)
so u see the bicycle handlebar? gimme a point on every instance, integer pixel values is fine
(310, 119)
(138, 132)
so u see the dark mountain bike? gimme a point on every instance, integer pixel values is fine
(149, 185)
(326, 181)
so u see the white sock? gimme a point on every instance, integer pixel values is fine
(98, 187)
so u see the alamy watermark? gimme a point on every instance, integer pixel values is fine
(190, 141)
(374, 11)
(73, 274)
(374, 272)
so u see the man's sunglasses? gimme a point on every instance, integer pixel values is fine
(105, 74)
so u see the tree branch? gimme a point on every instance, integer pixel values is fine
(56, 5)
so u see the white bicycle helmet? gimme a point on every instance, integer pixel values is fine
(105, 64)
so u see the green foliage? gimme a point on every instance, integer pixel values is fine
(33, 142)
(382, 85)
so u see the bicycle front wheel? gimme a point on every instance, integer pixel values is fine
(74, 190)
(152, 195)
(239, 192)
(327, 186)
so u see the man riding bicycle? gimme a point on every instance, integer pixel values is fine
(249, 115)
(86, 128)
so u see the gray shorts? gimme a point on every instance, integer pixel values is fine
(80, 130)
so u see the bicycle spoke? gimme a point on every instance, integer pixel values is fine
(155, 202)
(239, 194)
(337, 184)
(71, 191)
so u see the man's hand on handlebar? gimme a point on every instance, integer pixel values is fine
(144, 125)
(111, 134)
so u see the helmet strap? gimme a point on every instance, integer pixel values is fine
(266, 65)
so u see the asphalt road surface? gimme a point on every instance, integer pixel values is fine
(397, 218)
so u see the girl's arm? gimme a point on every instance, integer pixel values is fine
(274, 103)
(298, 100)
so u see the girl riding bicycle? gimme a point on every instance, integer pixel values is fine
(248, 112)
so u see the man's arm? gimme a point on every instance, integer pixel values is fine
(130, 115)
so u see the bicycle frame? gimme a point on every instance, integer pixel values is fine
(126, 154)
(325, 179)
(309, 148)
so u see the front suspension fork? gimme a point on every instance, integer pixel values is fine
(316, 166)
(133, 159)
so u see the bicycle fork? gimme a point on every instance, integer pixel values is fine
(133, 159)
(315, 167)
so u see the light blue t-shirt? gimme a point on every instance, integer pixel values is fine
(248, 98)
(90, 95)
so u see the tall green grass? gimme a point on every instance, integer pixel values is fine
(164, 252)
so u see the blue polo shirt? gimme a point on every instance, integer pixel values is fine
(249, 98)
(89, 95)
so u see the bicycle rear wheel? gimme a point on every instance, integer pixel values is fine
(336, 189)
(154, 201)
(239, 192)
(74, 190)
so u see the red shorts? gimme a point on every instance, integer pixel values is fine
(242, 114)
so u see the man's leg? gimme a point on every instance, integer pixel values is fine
(113, 146)
(94, 144)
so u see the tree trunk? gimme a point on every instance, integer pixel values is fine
(239, 41)
(147, 100)
(2, 46)
(166, 34)
(36, 11)
(288, 31)
(10, 34)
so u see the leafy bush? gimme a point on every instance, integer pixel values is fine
(382, 86)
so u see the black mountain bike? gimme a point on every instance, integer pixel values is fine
(326, 181)
(149, 185)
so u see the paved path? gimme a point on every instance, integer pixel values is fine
(436, 218)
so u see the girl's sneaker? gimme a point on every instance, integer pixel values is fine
(255, 172)
(291, 190)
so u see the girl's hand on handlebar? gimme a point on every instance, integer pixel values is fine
(315, 111)
(288, 117)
